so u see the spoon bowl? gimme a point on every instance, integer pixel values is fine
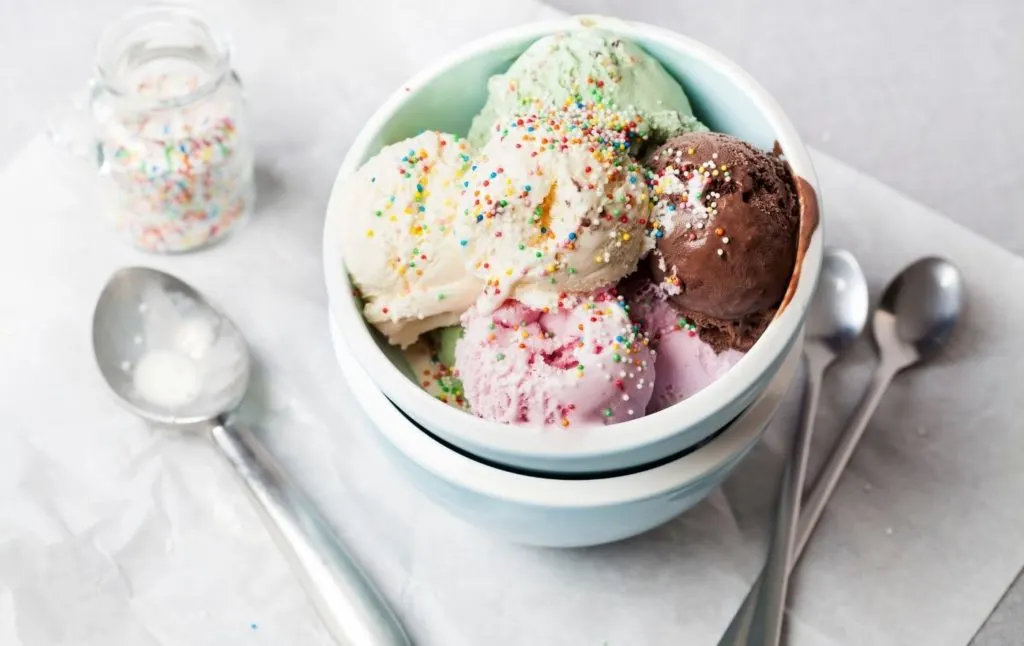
(839, 309)
(919, 309)
(165, 352)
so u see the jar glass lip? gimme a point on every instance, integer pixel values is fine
(146, 31)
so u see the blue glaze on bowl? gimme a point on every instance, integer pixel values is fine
(558, 527)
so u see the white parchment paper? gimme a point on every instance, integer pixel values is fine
(112, 533)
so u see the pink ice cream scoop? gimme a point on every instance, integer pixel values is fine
(683, 363)
(582, 362)
(684, 366)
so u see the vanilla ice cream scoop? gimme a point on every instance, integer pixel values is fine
(400, 246)
(554, 204)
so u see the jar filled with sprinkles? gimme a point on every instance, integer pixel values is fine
(175, 160)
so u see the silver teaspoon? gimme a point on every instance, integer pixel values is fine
(171, 358)
(838, 313)
(913, 322)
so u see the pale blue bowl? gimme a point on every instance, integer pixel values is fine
(551, 511)
(446, 97)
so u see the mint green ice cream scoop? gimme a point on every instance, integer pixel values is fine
(583, 66)
(445, 340)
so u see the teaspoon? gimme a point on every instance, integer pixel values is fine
(171, 358)
(837, 315)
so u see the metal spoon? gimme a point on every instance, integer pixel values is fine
(914, 320)
(171, 358)
(836, 318)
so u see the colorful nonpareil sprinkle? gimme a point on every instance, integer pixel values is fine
(176, 175)
(583, 360)
(555, 199)
(685, 196)
(439, 380)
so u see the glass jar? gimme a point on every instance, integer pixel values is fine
(169, 125)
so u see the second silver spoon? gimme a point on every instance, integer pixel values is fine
(913, 322)
(838, 313)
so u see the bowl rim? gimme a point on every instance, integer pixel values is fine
(476, 434)
(535, 490)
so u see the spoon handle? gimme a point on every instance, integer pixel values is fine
(759, 619)
(772, 600)
(741, 630)
(826, 483)
(353, 611)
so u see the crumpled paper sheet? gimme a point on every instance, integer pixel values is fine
(115, 534)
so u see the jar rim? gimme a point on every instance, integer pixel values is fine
(115, 42)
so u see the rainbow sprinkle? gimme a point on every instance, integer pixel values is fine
(584, 142)
(174, 179)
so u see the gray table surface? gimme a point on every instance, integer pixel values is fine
(926, 96)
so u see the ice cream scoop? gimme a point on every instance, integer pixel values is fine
(432, 364)
(729, 220)
(684, 364)
(581, 362)
(444, 341)
(553, 205)
(587, 66)
(399, 245)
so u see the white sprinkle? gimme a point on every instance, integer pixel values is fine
(721, 252)
(630, 411)
(725, 240)
(714, 155)
(625, 398)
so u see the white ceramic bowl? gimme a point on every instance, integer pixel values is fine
(445, 97)
(556, 512)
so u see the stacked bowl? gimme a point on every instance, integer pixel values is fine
(595, 484)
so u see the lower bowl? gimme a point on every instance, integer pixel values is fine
(569, 511)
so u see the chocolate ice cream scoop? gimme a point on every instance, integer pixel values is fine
(730, 219)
